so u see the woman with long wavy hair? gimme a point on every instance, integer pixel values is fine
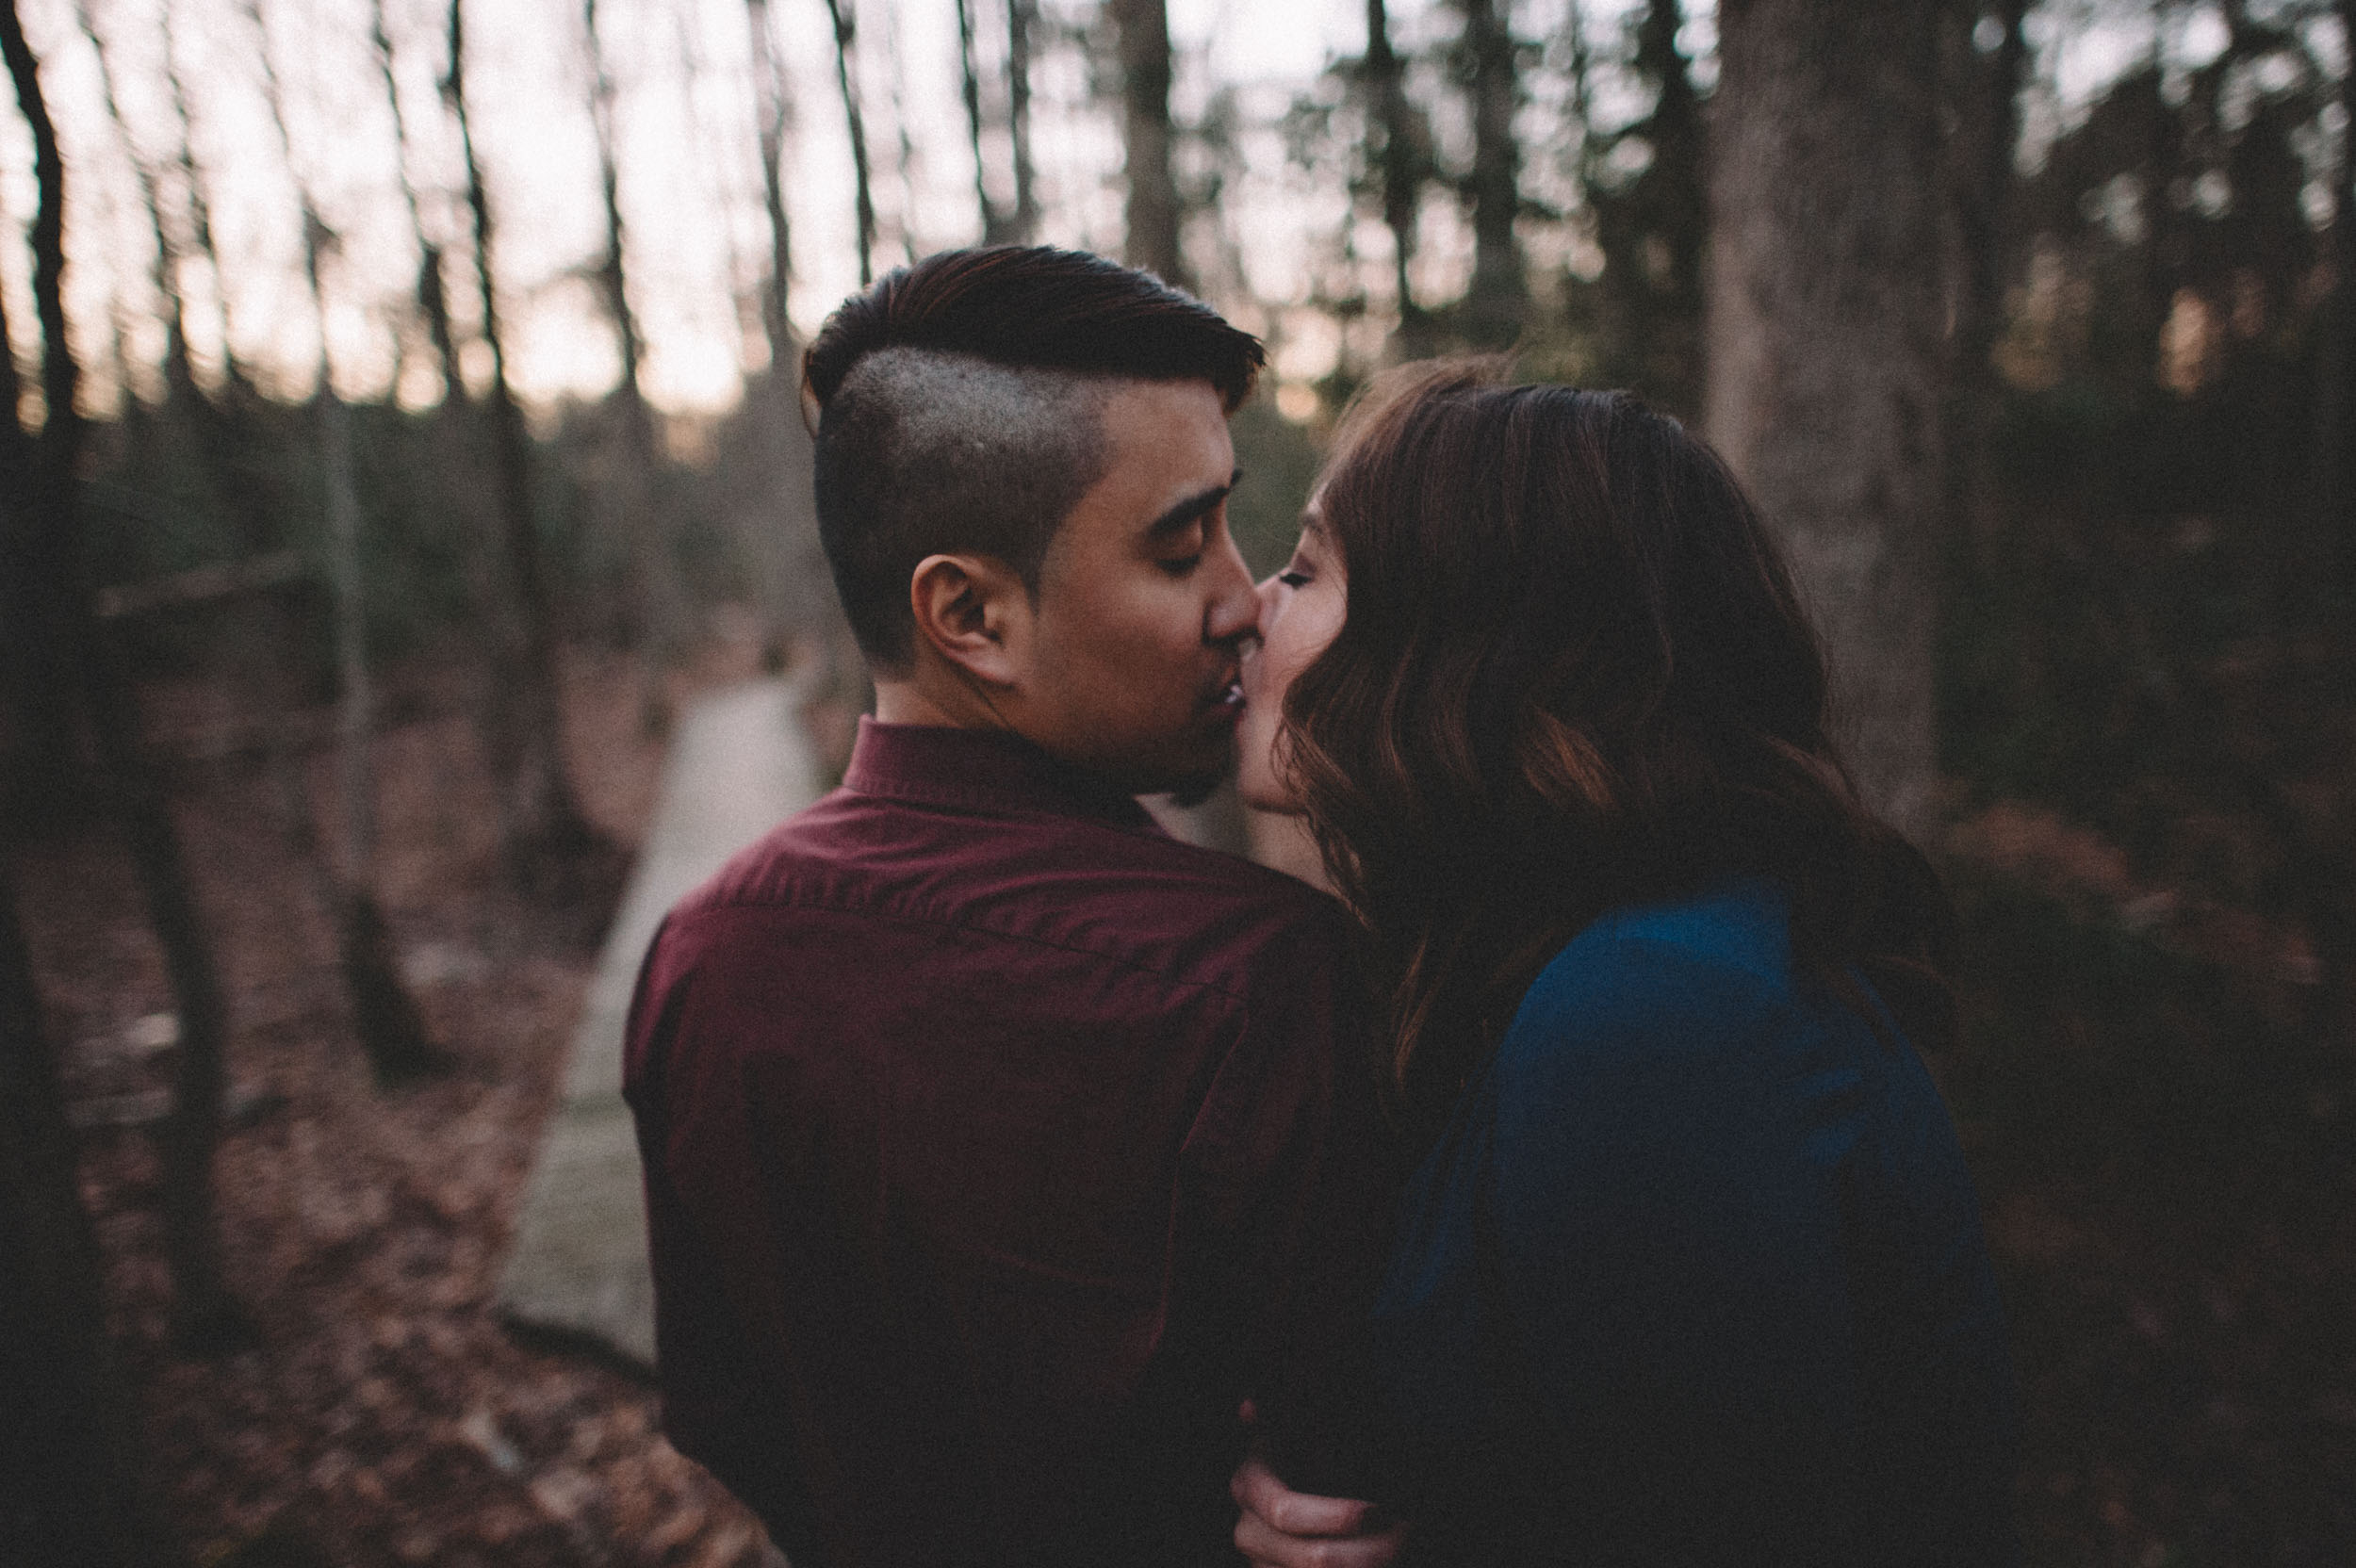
(1691, 1271)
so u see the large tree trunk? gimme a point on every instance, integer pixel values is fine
(541, 817)
(71, 1452)
(1498, 305)
(845, 18)
(1154, 214)
(205, 1317)
(1827, 355)
(39, 762)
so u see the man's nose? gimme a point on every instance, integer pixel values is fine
(1234, 609)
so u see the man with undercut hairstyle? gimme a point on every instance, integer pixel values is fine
(998, 1144)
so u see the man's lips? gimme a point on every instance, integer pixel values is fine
(1226, 697)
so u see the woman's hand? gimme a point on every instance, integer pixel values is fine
(1283, 1528)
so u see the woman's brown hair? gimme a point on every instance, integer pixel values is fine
(1574, 675)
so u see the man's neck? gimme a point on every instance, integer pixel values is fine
(920, 701)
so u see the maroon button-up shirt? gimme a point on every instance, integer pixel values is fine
(996, 1145)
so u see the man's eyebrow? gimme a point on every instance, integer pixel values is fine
(1185, 513)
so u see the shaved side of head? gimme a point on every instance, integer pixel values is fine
(927, 452)
(961, 410)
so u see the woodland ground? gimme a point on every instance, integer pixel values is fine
(2166, 1169)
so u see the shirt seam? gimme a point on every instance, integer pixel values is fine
(1238, 997)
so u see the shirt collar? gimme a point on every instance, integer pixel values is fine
(981, 770)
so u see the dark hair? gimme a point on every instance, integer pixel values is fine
(1573, 675)
(959, 408)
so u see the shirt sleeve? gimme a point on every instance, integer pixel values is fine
(1665, 1224)
(718, 1408)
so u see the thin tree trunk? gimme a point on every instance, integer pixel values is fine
(1401, 163)
(897, 63)
(1021, 16)
(2335, 432)
(71, 1451)
(845, 40)
(996, 227)
(1827, 357)
(1988, 121)
(433, 299)
(392, 1032)
(634, 500)
(163, 275)
(772, 105)
(199, 210)
(1497, 304)
(1154, 216)
(205, 1317)
(541, 816)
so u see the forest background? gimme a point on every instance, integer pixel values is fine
(404, 425)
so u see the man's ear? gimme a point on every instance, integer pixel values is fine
(974, 612)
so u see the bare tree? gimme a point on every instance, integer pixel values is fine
(1827, 362)
(198, 209)
(631, 494)
(896, 63)
(1154, 214)
(162, 275)
(997, 227)
(1650, 227)
(1022, 17)
(541, 817)
(2335, 446)
(432, 297)
(1498, 305)
(206, 1315)
(391, 1030)
(845, 17)
(774, 109)
(1401, 152)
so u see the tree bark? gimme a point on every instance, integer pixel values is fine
(71, 1454)
(1154, 214)
(1827, 355)
(542, 821)
(845, 39)
(1497, 306)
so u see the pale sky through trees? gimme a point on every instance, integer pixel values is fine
(690, 173)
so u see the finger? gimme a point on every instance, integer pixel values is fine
(1266, 1547)
(1248, 1413)
(1257, 1491)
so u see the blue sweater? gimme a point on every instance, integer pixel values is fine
(1695, 1276)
